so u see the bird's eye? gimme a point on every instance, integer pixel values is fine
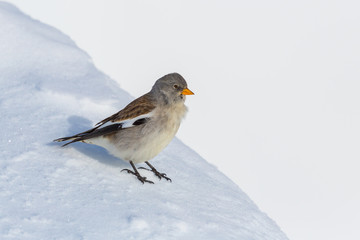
(176, 86)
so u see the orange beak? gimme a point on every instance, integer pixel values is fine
(187, 91)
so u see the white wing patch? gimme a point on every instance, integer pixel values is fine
(128, 122)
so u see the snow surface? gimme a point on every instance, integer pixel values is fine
(49, 89)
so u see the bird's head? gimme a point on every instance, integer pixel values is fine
(171, 88)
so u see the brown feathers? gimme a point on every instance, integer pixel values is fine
(139, 106)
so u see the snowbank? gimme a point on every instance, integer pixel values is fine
(50, 88)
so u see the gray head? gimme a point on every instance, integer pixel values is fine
(171, 88)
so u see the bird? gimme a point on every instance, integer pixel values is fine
(143, 128)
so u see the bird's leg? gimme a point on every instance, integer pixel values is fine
(158, 174)
(137, 174)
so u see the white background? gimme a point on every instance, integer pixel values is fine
(277, 105)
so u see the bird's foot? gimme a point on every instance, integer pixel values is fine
(141, 178)
(158, 174)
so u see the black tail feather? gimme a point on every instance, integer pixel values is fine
(76, 137)
(94, 132)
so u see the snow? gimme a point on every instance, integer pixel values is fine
(49, 89)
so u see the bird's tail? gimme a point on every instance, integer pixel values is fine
(77, 137)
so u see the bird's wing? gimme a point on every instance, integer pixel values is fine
(133, 114)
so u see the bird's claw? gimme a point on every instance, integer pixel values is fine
(128, 171)
(158, 174)
(141, 178)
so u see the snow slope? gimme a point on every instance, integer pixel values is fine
(48, 89)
